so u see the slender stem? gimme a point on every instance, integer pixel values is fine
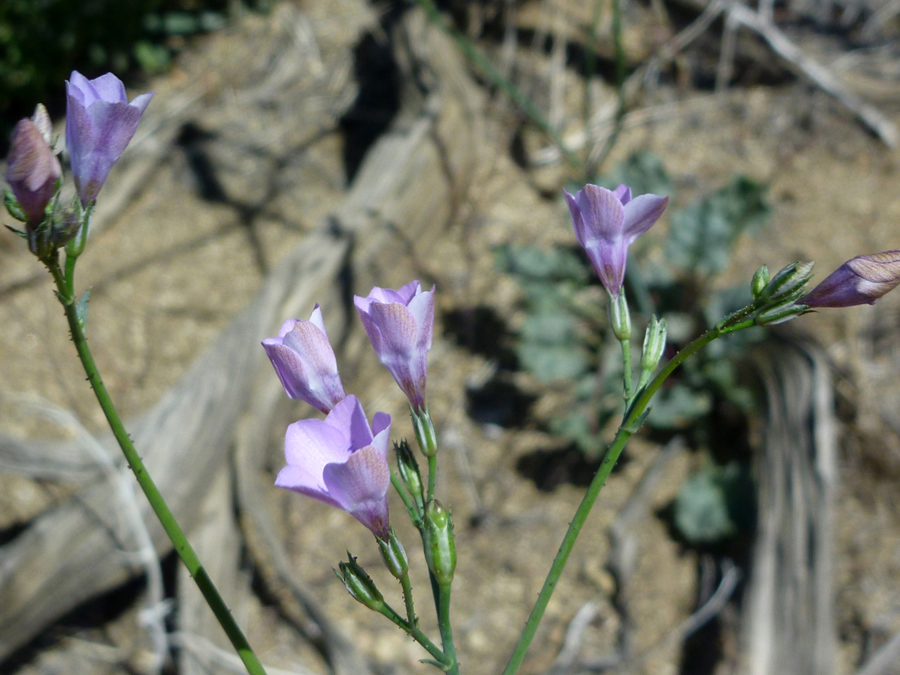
(414, 632)
(406, 584)
(432, 476)
(443, 604)
(408, 502)
(626, 363)
(170, 525)
(633, 419)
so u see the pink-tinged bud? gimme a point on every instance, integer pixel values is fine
(342, 461)
(32, 171)
(607, 222)
(400, 325)
(305, 362)
(859, 281)
(100, 122)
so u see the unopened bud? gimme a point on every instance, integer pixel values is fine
(424, 430)
(440, 547)
(654, 343)
(788, 284)
(779, 314)
(759, 282)
(409, 473)
(619, 317)
(359, 584)
(393, 555)
(861, 280)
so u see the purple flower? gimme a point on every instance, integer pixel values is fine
(339, 461)
(32, 169)
(305, 363)
(100, 122)
(861, 280)
(400, 325)
(607, 222)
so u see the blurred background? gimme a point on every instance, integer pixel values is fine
(301, 152)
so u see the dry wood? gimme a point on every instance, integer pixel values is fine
(412, 180)
(789, 619)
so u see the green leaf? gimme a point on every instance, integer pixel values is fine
(677, 407)
(12, 206)
(702, 235)
(549, 363)
(716, 503)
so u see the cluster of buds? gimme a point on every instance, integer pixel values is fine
(100, 122)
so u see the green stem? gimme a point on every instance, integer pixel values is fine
(406, 584)
(170, 525)
(633, 419)
(432, 476)
(415, 633)
(443, 603)
(408, 501)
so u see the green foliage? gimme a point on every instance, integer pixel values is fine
(43, 41)
(702, 235)
(715, 504)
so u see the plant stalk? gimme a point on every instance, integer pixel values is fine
(166, 518)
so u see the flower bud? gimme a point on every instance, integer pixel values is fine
(787, 284)
(861, 280)
(619, 317)
(654, 344)
(759, 282)
(440, 547)
(394, 555)
(359, 584)
(409, 473)
(774, 315)
(424, 430)
(32, 172)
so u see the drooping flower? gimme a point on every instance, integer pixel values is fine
(342, 461)
(859, 281)
(100, 122)
(607, 222)
(400, 325)
(305, 362)
(32, 168)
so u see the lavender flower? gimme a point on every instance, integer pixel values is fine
(32, 169)
(305, 362)
(100, 122)
(342, 462)
(607, 222)
(861, 280)
(400, 325)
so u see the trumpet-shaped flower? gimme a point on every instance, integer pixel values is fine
(607, 222)
(32, 169)
(100, 122)
(342, 461)
(861, 280)
(305, 362)
(400, 325)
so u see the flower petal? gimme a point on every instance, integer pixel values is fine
(640, 214)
